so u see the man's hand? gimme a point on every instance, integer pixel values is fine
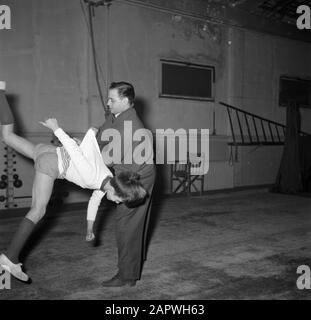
(50, 123)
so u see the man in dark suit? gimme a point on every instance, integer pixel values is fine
(131, 223)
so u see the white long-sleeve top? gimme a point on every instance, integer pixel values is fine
(84, 166)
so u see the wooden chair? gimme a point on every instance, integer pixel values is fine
(187, 173)
(196, 169)
(179, 173)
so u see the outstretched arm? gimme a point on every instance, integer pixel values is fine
(92, 210)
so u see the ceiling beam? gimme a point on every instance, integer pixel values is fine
(250, 6)
(237, 16)
(243, 19)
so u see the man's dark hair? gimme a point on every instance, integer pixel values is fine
(128, 187)
(125, 90)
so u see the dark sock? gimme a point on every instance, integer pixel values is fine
(6, 116)
(22, 234)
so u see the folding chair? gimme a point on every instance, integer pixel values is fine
(187, 173)
(179, 174)
(196, 172)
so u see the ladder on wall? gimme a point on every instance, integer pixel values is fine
(248, 129)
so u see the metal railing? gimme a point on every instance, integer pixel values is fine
(248, 129)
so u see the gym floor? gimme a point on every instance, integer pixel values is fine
(231, 245)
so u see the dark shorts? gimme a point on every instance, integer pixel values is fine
(46, 160)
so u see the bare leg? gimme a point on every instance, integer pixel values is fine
(41, 193)
(21, 145)
(6, 115)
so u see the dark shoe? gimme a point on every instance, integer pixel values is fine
(118, 282)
